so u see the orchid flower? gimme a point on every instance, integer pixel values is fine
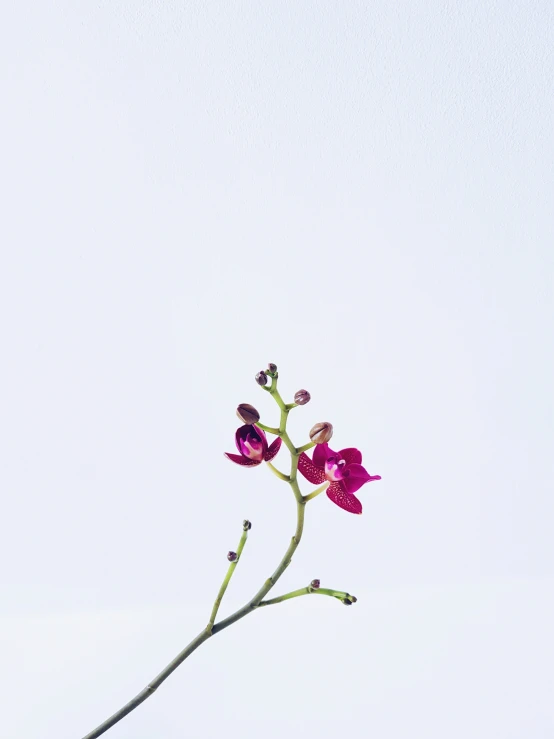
(343, 470)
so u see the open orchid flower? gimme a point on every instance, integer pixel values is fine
(252, 444)
(343, 470)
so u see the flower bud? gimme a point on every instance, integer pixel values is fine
(232, 556)
(261, 378)
(321, 433)
(315, 584)
(301, 397)
(272, 368)
(247, 413)
(246, 525)
(347, 602)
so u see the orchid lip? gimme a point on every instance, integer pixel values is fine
(333, 470)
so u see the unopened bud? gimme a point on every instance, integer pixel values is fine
(349, 599)
(315, 584)
(247, 413)
(321, 433)
(246, 525)
(301, 397)
(261, 378)
(272, 368)
(232, 556)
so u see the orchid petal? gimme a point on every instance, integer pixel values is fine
(322, 454)
(273, 449)
(312, 473)
(354, 476)
(346, 501)
(351, 455)
(255, 433)
(239, 459)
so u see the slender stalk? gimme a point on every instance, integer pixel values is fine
(339, 594)
(305, 448)
(213, 628)
(280, 475)
(227, 579)
(316, 492)
(269, 429)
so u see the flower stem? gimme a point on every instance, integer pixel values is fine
(305, 448)
(316, 492)
(227, 579)
(214, 628)
(269, 429)
(339, 594)
(280, 475)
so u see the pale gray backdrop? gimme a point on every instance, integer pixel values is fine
(362, 193)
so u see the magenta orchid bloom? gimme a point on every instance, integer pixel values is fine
(252, 444)
(343, 470)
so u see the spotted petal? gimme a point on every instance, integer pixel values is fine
(239, 459)
(273, 449)
(346, 501)
(309, 470)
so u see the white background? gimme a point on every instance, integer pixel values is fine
(362, 193)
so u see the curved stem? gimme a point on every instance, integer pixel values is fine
(270, 582)
(339, 594)
(316, 492)
(269, 429)
(214, 628)
(280, 475)
(227, 579)
(305, 448)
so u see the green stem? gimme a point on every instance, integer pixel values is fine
(339, 594)
(269, 429)
(280, 475)
(214, 628)
(316, 492)
(227, 579)
(270, 582)
(305, 448)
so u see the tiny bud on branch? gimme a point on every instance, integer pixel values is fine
(247, 413)
(301, 397)
(321, 433)
(232, 556)
(261, 378)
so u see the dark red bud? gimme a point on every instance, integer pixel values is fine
(232, 556)
(301, 397)
(315, 584)
(246, 525)
(321, 433)
(272, 368)
(347, 602)
(261, 378)
(247, 413)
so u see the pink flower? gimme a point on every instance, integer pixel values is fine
(252, 445)
(343, 470)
